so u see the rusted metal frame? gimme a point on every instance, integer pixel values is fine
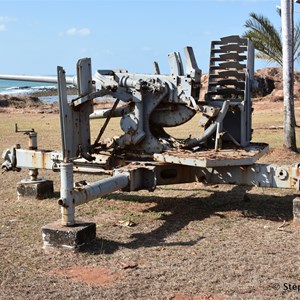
(51, 160)
(37, 159)
(75, 132)
(80, 114)
(91, 169)
(212, 128)
(32, 145)
(104, 113)
(105, 123)
(65, 114)
(175, 96)
(174, 174)
(219, 134)
(67, 194)
(89, 97)
(261, 175)
(148, 175)
(98, 189)
(207, 159)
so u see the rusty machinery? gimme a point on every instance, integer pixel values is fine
(145, 155)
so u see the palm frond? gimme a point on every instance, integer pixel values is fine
(297, 41)
(265, 37)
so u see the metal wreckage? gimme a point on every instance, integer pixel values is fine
(145, 155)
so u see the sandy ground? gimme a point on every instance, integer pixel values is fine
(180, 242)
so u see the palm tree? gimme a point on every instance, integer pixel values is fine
(267, 39)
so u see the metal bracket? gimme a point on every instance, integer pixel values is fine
(26, 131)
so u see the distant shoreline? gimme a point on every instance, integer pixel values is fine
(42, 101)
(52, 92)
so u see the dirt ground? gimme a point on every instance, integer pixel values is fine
(180, 242)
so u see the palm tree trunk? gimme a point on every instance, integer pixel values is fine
(289, 135)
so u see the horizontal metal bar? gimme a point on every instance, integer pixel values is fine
(37, 159)
(261, 175)
(101, 188)
(104, 113)
(82, 99)
(48, 79)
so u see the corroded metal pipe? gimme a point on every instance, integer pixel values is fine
(104, 113)
(211, 129)
(66, 194)
(101, 188)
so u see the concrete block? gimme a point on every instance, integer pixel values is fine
(39, 189)
(68, 237)
(296, 210)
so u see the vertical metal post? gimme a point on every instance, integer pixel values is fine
(139, 113)
(75, 133)
(66, 194)
(66, 169)
(66, 117)
(32, 145)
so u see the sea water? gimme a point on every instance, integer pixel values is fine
(15, 87)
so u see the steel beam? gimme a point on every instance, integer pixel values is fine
(99, 188)
(261, 175)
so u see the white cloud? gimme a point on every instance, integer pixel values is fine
(3, 20)
(71, 31)
(2, 28)
(77, 32)
(84, 32)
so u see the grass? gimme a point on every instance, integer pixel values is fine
(190, 239)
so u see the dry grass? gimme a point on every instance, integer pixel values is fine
(201, 241)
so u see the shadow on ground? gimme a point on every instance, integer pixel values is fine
(183, 210)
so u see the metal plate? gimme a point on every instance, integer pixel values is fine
(211, 158)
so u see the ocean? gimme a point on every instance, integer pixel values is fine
(14, 87)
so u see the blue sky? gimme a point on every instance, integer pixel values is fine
(37, 36)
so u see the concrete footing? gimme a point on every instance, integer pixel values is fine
(56, 235)
(296, 210)
(39, 189)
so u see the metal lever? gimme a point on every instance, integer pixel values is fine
(32, 144)
(23, 131)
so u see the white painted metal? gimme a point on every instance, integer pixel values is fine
(39, 159)
(67, 194)
(212, 128)
(104, 113)
(48, 79)
(261, 175)
(101, 188)
(149, 156)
